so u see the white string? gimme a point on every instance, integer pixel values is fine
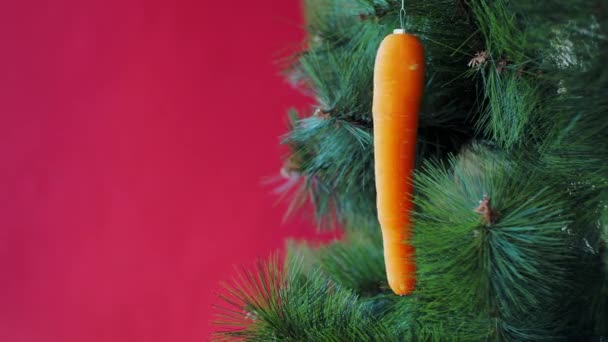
(402, 14)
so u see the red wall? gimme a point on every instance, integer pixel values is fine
(134, 137)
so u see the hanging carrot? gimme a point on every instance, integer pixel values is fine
(398, 88)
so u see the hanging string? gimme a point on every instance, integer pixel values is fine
(402, 15)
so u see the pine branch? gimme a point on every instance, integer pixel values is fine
(508, 270)
(336, 158)
(271, 304)
(338, 167)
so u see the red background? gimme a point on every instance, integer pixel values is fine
(134, 137)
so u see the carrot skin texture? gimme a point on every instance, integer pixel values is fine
(398, 89)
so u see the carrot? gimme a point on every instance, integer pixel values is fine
(398, 89)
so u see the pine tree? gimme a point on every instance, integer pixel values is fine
(511, 218)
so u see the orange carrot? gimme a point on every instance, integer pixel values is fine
(398, 88)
